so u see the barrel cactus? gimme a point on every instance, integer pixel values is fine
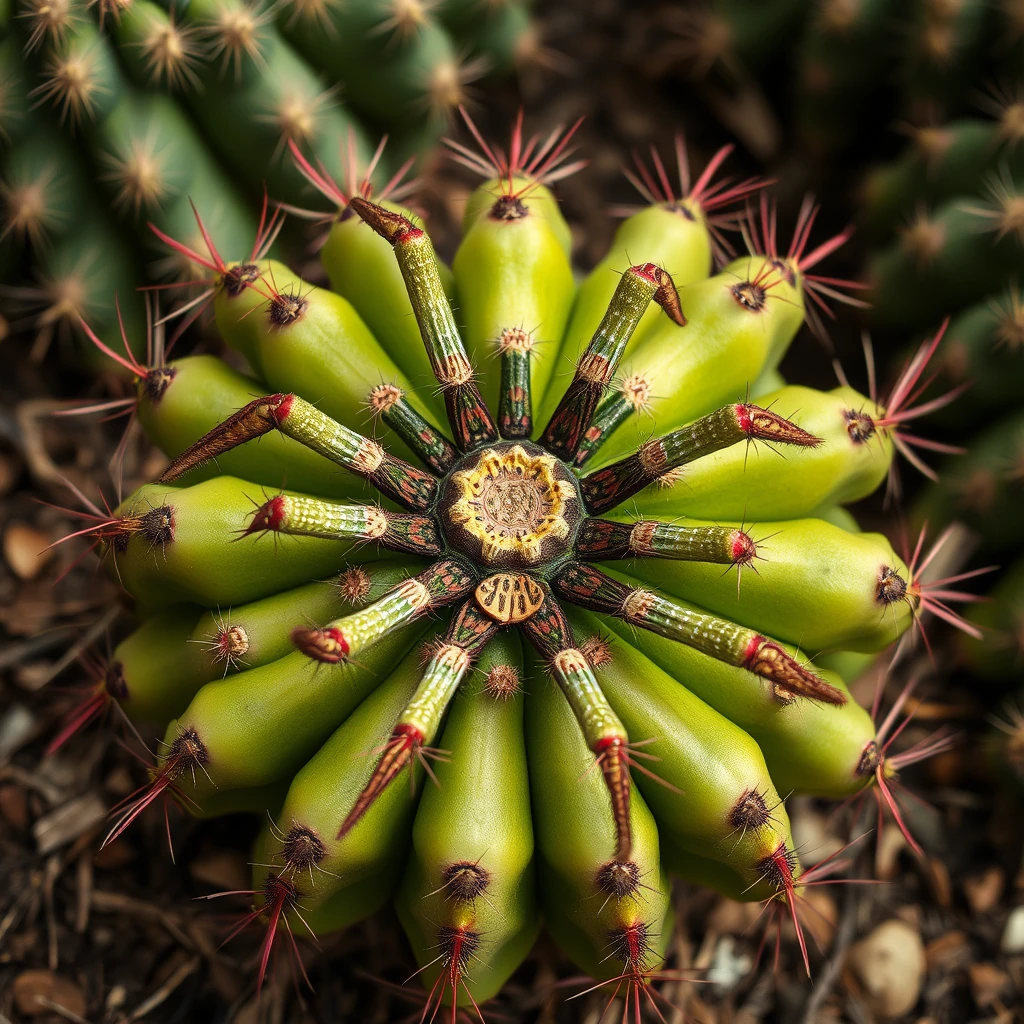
(536, 588)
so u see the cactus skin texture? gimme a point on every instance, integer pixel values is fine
(143, 111)
(488, 529)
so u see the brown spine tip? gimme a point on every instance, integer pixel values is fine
(327, 646)
(404, 742)
(618, 878)
(859, 425)
(239, 277)
(870, 759)
(891, 586)
(502, 682)
(768, 660)
(253, 420)
(302, 849)
(750, 296)
(384, 397)
(154, 384)
(614, 762)
(763, 425)
(465, 880)
(668, 297)
(354, 584)
(597, 650)
(286, 307)
(157, 526)
(750, 811)
(389, 225)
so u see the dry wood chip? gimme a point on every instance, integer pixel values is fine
(68, 822)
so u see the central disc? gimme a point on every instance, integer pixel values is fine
(510, 504)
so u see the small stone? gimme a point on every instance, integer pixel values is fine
(38, 992)
(17, 727)
(25, 550)
(727, 968)
(984, 891)
(987, 983)
(1013, 934)
(890, 965)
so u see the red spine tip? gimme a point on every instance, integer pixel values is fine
(268, 516)
(744, 550)
(325, 645)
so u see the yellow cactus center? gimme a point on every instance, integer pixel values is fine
(512, 505)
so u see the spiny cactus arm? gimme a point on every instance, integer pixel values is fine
(435, 450)
(605, 488)
(515, 405)
(419, 723)
(470, 420)
(298, 419)
(551, 634)
(590, 588)
(314, 517)
(445, 582)
(596, 368)
(602, 539)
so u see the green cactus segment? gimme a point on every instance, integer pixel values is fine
(598, 363)
(810, 747)
(813, 583)
(981, 489)
(705, 766)
(753, 482)
(734, 332)
(156, 671)
(183, 401)
(362, 268)
(585, 896)
(983, 348)
(80, 78)
(156, 48)
(156, 167)
(512, 274)
(398, 64)
(948, 259)
(677, 233)
(194, 544)
(942, 163)
(469, 892)
(333, 882)
(257, 94)
(242, 744)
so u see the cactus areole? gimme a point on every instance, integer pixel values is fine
(557, 553)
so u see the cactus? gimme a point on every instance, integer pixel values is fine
(530, 597)
(166, 107)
